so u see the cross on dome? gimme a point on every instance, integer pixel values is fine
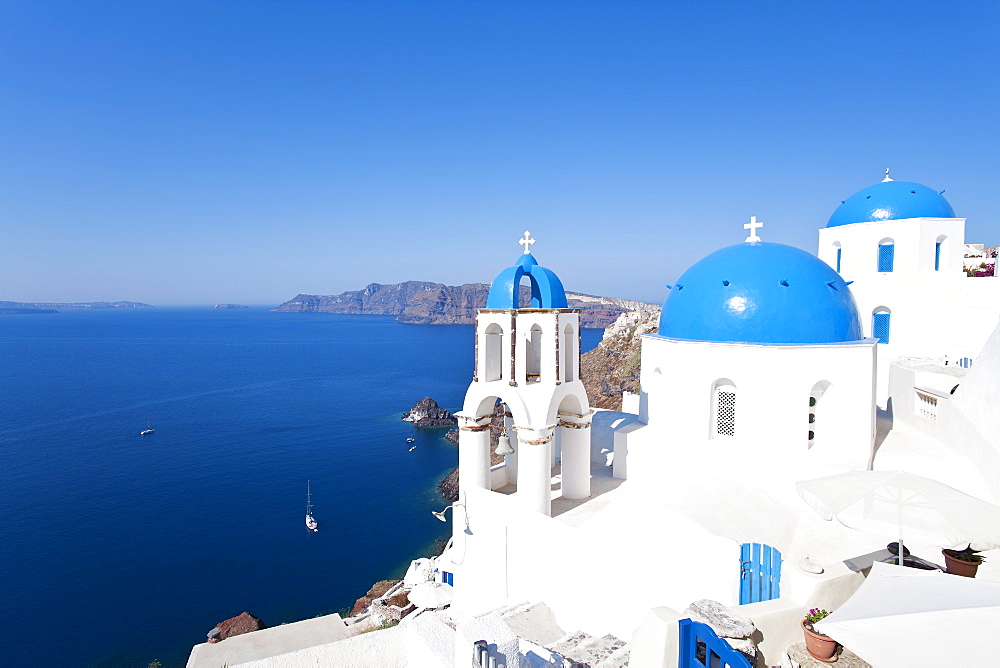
(752, 226)
(526, 242)
(886, 176)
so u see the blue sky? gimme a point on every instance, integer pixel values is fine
(197, 152)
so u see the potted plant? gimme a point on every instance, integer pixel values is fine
(820, 646)
(963, 562)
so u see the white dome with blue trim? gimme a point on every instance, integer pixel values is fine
(891, 200)
(546, 289)
(764, 293)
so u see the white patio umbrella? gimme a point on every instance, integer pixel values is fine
(910, 618)
(905, 506)
(431, 595)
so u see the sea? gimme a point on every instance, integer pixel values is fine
(120, 550)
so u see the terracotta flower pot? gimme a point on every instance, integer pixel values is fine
(821, 647)
(955, 566)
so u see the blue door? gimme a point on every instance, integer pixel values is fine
(701, 648)
(760, 573)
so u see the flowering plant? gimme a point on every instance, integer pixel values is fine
(814, 615)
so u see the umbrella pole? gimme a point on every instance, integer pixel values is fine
(900, 562)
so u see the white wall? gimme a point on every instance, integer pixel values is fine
(773, 385)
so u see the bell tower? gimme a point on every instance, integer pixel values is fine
(527, 357)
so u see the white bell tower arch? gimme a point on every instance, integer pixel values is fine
(528, 357)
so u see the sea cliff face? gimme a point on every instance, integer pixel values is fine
(613, 366)
(423, 303)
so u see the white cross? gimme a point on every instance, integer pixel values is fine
(526, 242)
(752, 226)
(886, 176)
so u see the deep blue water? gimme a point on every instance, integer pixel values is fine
(117, 549)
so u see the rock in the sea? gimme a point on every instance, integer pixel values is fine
(234, 626)
(723, 621)
(452, 436)
(427, 413)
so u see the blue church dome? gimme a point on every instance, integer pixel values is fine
(891, 200)
(761, 293)
(546, 288)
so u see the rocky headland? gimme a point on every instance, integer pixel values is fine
(427, 413)
(613, 366)
(424, 303)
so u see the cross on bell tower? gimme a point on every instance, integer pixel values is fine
(526, 242)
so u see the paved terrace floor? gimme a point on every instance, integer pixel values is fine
(576, 511)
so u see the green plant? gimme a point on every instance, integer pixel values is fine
(968, 554)
(814, 615)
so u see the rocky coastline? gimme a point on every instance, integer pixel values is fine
(426, 303)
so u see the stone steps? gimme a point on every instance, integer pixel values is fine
(583, 648)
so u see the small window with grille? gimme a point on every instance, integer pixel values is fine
(880, 327)
(886, 256)
(725, 414)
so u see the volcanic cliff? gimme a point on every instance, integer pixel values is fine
(423, 303)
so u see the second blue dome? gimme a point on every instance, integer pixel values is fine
(891, 200)
(763, 293)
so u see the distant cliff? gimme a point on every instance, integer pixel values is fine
(613, 366)
(67, 305)
(423, 303)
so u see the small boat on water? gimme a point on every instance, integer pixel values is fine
(410, 439)
(413, 448)
(148, 429)
(311, 522)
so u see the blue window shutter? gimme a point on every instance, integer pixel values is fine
(937, 256)
(886, 253)
(880, 327)
(840, 252)
(746, 573)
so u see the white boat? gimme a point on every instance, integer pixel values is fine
(311, 522)
(148, 429)
(410, 440)
(413, 448)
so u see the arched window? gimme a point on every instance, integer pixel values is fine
(723, 408)
(940, 250)
(886, 255)
(524, 293)
(493, 348)
(570, 356)
(840, 253)
(533, 358)
(880, 324)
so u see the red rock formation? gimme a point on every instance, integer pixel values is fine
(234, 626)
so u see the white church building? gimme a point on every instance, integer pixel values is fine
(771, 366)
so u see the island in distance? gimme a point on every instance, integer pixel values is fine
(424, 303)
(9, 308)
(231, 306)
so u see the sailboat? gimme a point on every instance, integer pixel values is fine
(311, 523)
(148, 429)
